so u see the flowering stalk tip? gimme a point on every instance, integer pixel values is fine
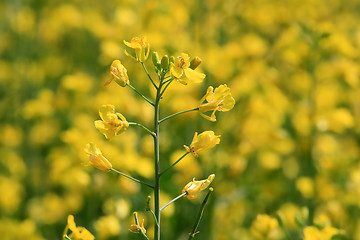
(141, 48)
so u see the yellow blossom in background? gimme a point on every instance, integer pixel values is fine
(266, 227)
(141, 48)
(181, 71)
(118, 73)
(96, 158)
(107, 226)
(111, 125)
(322, 220)
(203, 141)
(77, 233)
(313, 233)
(218, 100)
(306, 186)
(192, 188)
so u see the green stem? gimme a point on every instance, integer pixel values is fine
(157, 163)
(147, 73)
(196, 224)
(146, 99)
(174, 163)
(168, 83)
(153, 214)
(134, 179)
(66, 237)
(175, 114)
(181, 195)
(167, 80)
(140, 125)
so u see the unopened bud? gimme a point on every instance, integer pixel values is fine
(156, 60)
(195, 63)
(172, 59)
(165, 62)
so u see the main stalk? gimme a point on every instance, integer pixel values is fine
(157, 164)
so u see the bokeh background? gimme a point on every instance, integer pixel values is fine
(291, 142)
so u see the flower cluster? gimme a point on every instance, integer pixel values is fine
(218, 100)
(192, 188)
(111, 123)
(203, 141)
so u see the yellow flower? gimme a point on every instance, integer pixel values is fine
(96, 158)
(141, 47)
(192, 188)
(202, 141)
(313, 233)
(218, 100)
(78, 233)
(119, 73)
(181, 71)
(111, 125)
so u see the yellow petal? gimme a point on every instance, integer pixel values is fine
(86, 235)
(105, 110)
(209, 94)
(91, 148)
(71, 223)
(176, 72)
(100, 162)
(127, 44)
(193, 76)
(104, 129)
(207, 182)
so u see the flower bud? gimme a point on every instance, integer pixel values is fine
(172, 59)
(119, 73)
(165, 62)
(156, 61)
(195, 63)
(96, 158)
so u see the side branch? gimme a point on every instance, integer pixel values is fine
(175, 114)
(181, 195)
(167, 82)
(134, 179)
(145, 98)
(147, 73)
(140, 125)
(174, 163)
